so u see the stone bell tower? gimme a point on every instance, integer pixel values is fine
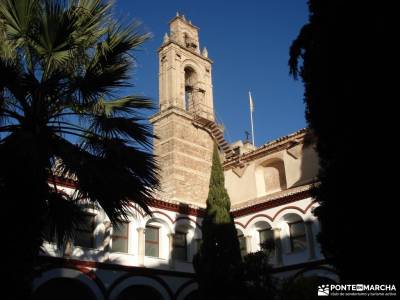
(184, 146)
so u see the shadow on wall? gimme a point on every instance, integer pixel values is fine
(186, 237)
(309, 159)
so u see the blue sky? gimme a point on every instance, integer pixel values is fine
(249, 43)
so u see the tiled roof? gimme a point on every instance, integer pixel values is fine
(270, 147)
(271, 197)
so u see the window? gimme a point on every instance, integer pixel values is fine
(190, 83)
(152, 241)
(242, 244)
(266, 240)
(179, 246)
(84, 232)
(298, 239)
(120, 238)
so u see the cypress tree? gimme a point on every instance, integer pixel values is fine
(218, 263)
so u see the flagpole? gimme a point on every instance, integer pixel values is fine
(251, 118)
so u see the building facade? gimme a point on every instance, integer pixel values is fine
(150, 257)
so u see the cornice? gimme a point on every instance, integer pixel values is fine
(169, 111)
(183, 48)
(74, 263)
(178, 207)
(245, 208)
(265, 203)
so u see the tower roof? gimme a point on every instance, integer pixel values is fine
(183, 19)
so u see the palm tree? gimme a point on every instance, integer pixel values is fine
(62, 114)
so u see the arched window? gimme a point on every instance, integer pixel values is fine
(266, 236)
(298, 239)
(119, 238)
(84, 232)
(179, 244)
(296, 232)
(186, 241)
(152, 241)
(190, 87)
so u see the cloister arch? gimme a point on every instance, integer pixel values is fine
(186, 229)
(188, 291)
(50, 281)
(127, 286)
(292, 232)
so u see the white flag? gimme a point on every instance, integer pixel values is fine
(251, 102)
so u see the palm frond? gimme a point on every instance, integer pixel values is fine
(130, 128)
(128, 105)
(91, 16)
(110, 64)
(17, 16)
(64, 214)
(107, 179)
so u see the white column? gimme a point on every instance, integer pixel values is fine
(278, 246)
(310, 239)
(248, 244)
(141, 246)
(67, 251)
(106, 241)
(106, 245)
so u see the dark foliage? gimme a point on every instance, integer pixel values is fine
(257, 271)
(218, 263)
(347, 56)
(302, 288)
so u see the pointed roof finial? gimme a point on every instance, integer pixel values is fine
(204, 52)
(183, 17)
(177, 13)
(166, 38)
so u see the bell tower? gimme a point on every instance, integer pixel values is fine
(183, 148)
(185, 72)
